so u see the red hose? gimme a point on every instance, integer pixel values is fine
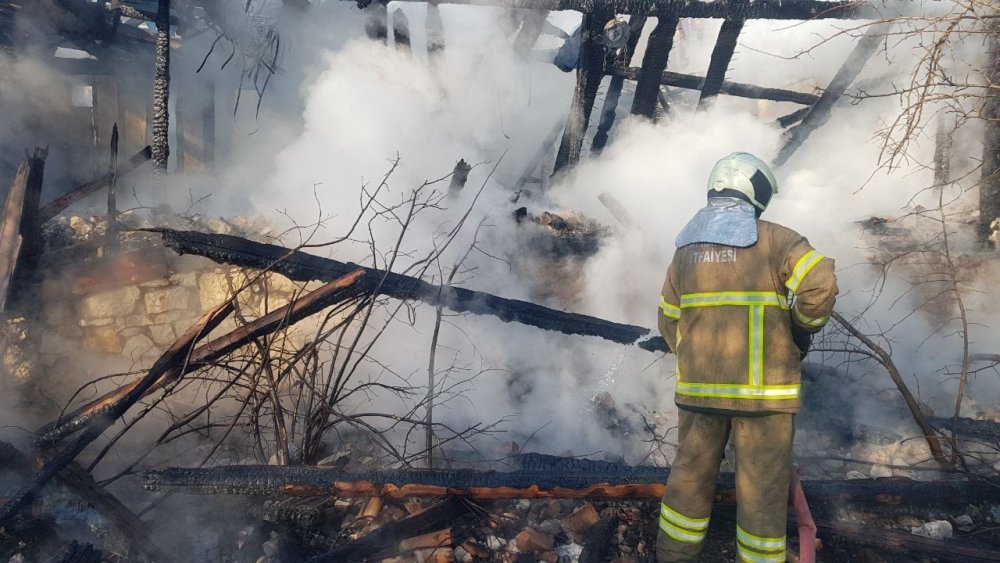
(804, 519)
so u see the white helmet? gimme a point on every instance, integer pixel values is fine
(744, 176)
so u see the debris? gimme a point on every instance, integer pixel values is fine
(531, 540)
(581, 519)
(938, 530)
(964, 523)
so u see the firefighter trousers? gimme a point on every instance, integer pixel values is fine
(763, 467)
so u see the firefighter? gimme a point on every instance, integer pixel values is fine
(741, 301)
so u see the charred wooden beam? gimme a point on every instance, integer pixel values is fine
(401, 30)
(589, 73)
(58, 205)
(172, 357)
(541, 476)
(10, 229)
(654, 63)
(25, 274)
(161, 88)
(820, 111)
(789, 10)
(623, 59)
(81, 483)
(722, 54)
(300, 266)
(77, 552)
(389, 535)
(343, 288)
(377, 22)
(694, 82)
(950, 551)
(968, 427)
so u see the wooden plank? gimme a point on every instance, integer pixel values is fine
(50, 210)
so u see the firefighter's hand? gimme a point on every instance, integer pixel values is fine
(803, 340)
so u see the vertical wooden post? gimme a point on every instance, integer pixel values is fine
(989, 184)
(589, 73)
(623, 60)
(654, 62)
(111, 242)
(401, 30)
(377, 22)
(161, 89)
(722, 54)
(435, 33)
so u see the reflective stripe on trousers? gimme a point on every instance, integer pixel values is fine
(758, 549)
(680, 527)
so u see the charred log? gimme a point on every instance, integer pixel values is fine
(10, 229)
(654, 63)
(820, 111)
(968, 427)
(623, 59)
(951, 551)
(389, 535)
(25, 275)
(161, 88)
(541, 476)
(58, 205)
(300, 266)
(341, 289)
(173, 356)
(739, 89)
(799, 10)
(401, 30)
(722, 54)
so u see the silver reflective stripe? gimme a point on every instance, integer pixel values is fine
(754, 557)
(758, 542)
(802, 269)
(809, 321)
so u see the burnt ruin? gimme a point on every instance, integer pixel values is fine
(186, 385)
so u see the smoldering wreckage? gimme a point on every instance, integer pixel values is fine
(270, 422)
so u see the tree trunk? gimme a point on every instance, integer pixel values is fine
(989, 187)
(161, 89)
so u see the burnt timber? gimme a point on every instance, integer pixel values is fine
(541, 476)
(789, 10)
(300, 266)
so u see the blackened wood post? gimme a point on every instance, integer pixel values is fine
(377, 22)
(589, 73)
(459, 176)
(31, 224)
(654, 62)
(401, 30)
(989, 184)
(161, 88)
(622, 61)
(435, 33)
(111, 243)
(819, 113)
(722, 54)
(10, 233)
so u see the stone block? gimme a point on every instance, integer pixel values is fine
(581, 519)
(103, 339)
(138, 346)
(169, 299)
(531, 540)
(185, 279)
(163, 335)
(114, 303)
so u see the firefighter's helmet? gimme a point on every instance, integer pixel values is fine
(745, 176)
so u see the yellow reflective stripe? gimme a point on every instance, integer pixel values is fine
(681, 520)
(756, 345)
(802, 269)
(680, 534)
(759, 543)
(727, 391)
(809, 321)
(671, 311)
(722, 298)
(754, 557)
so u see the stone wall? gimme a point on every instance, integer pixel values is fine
(133, 307)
